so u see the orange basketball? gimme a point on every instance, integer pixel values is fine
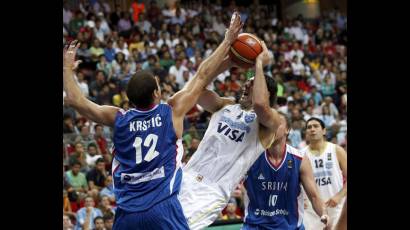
(245, 49)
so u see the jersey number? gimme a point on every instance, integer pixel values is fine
(319, 163)
(150, 141)
(272, 200)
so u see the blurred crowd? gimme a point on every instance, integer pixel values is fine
(310, 67)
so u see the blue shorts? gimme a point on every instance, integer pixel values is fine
(165, 215)
(259, 227)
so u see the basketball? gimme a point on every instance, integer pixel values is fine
(245, 49)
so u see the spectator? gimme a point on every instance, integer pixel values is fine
(67, 14)
(193, 146)
(109, 51)
(84, 53)
(231, 211)
(123, 48)
(96, 51)
(332, 107)
(100, 139)
(96, 86)
(124, 24)
(104, 66)
(327, 117)
(68, 124)
(76, 24)
(295, 134)
(87, 213)
(85, 136)
(92, 155)
(106, 207)
(79, 156)
(108, 221)
(137, 8)
(96, 178)
(77, 179)
(67, 224)
(177, 70)
(143, 24)
(82, 83)
(117, 63)
(99, 223)
(108, 189)
(328, 88)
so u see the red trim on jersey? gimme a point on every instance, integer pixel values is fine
(298, 157)
(112, 161)
(280, 163)
(116, 168)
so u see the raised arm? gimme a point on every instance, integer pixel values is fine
(268, 117)
(216, 63)
(308, 182)
(75, 98)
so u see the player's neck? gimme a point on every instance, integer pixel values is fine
(277, 151)
(317, 147)
(146, 108)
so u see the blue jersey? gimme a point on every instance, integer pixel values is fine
(147, 158)
(273, 197)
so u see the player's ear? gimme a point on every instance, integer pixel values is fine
(157, 94)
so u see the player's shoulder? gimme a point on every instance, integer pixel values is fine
(295, 152)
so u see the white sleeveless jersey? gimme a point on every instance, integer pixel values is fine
(329, 179)
(228, 149)
(326, 170)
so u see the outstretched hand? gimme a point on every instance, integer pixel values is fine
(234, 28)
(69, 54)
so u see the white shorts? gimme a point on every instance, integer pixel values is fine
(311, 220)
(201, 201)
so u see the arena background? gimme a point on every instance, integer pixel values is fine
(307, 38)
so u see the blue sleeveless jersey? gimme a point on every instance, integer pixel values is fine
(147, 158)
(273, 194)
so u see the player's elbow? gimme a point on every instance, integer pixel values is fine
(260, 107)
(70, 100)
(74, 101)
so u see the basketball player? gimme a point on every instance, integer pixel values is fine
(329, 163)
(237, 134)
(273, 198)
(147, 141)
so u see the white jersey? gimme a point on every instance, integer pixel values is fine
(229, 148)
(329, 179)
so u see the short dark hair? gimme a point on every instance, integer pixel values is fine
(99, 160)
(272, 88)
(92, 144)
(98, 218)
(108, 216)
(75, 162)
(140, 88)
(322, 124)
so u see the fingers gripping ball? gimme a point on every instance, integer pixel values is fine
(245, 49)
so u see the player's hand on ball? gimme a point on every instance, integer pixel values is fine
(70, 52)
(234, 28)
(332, 202)
(264, 57)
